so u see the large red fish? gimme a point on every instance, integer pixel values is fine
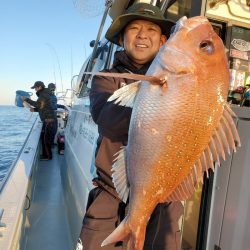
(176, 132)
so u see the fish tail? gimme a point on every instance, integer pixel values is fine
(136, 241)
(121, 233)
(124, 233)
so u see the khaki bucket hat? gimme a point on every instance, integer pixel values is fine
(138, 11)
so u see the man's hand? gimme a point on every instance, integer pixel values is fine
(24, 98)
(32, 110)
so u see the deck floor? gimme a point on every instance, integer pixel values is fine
(47, 216)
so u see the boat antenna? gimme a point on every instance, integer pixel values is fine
(58, 63)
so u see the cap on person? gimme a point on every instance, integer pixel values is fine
(138, 11)
(51, 86)
(38, 84)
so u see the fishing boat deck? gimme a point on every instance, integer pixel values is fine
(47, 226)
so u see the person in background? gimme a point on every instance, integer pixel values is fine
(141, 31)
(47, 115)
(52, 89)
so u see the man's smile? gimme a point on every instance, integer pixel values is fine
(140, 45)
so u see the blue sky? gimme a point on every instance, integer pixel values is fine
(45, 40)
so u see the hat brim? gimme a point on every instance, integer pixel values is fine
(113, 33)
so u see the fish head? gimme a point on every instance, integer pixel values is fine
(194, 48)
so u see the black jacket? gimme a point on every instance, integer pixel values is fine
(43, 105)
(112, 119)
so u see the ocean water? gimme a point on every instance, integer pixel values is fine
(15, 124)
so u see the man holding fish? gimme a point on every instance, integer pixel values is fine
(141, 31)
(179, 126)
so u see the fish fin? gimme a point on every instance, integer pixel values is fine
(119, 175)
(119, 234)
(123, 233)
(125, 96)
(224, 139)
(229, 114)
(136, 241)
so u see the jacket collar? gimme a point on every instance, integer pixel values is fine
(122, 59)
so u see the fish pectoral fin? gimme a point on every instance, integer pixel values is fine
(125, 96)
(119, 175)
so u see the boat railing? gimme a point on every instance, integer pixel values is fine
(66, 97)
(2, 225)
(15, 187)
(5, 179)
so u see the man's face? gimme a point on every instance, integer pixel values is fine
(38, 88)
(142, 40)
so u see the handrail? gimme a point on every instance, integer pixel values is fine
(4, 180)
(2, 225)
(16, 187)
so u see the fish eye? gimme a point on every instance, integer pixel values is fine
(207, 47)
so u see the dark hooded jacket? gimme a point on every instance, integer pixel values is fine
(43, 105)
(112, 120)
(53, 100)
